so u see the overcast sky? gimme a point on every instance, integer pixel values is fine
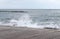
(29, 4)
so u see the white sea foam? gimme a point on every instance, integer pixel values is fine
(26, 21)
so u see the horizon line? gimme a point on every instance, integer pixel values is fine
(31, 9)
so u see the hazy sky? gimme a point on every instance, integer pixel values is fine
(29, 4)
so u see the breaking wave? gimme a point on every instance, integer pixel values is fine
(26, 21)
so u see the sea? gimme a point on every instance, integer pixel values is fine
(33, 18)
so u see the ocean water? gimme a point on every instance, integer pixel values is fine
(34, 18)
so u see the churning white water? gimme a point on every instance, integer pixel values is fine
(26, 21)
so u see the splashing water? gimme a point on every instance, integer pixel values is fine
(26, 21)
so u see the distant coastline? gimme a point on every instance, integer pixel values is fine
(15, 11)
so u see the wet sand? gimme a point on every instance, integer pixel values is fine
(28, 33)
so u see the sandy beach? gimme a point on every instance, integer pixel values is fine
(28, 33)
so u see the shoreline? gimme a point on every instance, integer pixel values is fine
(28, 33)
(29, 27)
